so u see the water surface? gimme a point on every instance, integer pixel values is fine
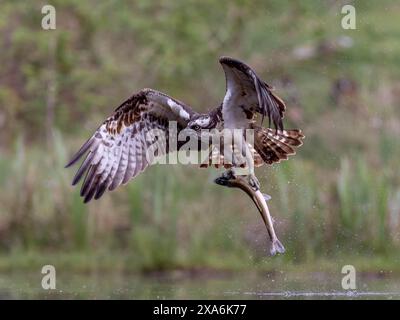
(198, 285)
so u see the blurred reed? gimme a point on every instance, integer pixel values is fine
(169, 217)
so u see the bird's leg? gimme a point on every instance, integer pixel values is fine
(249, 160)
(228, 174)
(238, 152)
(253, 182)
(276, 245)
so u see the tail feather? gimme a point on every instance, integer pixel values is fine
(270, 146)
(275, 146)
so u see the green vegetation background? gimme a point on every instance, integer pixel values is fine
(337, 200)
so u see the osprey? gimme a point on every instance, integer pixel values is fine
(117, 151)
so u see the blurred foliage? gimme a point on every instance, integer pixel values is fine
(339, 195)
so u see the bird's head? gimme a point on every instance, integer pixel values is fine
(201, 121)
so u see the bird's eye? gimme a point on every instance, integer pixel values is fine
(196, 127)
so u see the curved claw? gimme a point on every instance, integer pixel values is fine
(253, 182)
(226, 178)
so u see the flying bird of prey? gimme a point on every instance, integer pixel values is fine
(118, 150)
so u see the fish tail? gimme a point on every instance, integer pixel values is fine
(277, 247)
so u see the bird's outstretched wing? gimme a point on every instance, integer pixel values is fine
(245, 90)
(118, 150)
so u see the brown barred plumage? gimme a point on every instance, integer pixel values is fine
(270, 146)
(274, 146)
(116, 152)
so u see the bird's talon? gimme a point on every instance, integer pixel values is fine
(253, 182)
(225, 178)
(228, 174)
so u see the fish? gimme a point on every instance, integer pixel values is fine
(230, 180)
